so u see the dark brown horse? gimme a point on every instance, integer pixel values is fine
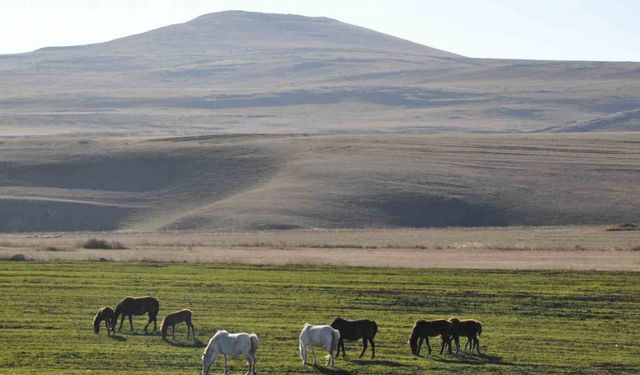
(471, 329)
(105, 315)
(354, 330)
(182, 316)
(130, 306)
(423, 329)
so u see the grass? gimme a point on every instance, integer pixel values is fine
(534, 321)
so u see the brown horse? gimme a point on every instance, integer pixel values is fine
(182, 316)
(130, 306)
(355, 330)
(105, 315)
(471, 329)
(423, 329)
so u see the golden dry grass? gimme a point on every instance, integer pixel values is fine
(582, 248)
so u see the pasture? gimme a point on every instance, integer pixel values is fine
(534, 321)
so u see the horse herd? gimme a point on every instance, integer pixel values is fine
(330, 337)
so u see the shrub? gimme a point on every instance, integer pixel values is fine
(95, 243)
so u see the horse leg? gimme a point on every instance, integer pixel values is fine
(428, 345)
(121, 321)
(341, 344)
(173, 332)
(253, 363)
(477, 343)
(373, 348)
(250, 363)
(364, 346)
(313, 352)
(131, 322)
(419, 346)
(226, 369)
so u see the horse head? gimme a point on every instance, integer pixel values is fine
(337, 322)
(96, 323)
(209, 356)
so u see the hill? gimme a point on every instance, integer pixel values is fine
(322, 181)
(244, 72)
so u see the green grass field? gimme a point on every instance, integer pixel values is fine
(534, 321)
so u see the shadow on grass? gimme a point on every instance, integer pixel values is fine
(331, 371)
(117, 337)
(377, 362)
(196, 343)
(142, 333)
(473, 359)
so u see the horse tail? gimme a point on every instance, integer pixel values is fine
(479, 324)
(116, 313)
(375, 329)
(254, 343)
(301, 347)
(335, 338)
(155, 307)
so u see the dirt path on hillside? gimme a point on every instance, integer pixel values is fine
(405, 258)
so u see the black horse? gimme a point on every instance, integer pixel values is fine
(130, 306)
(354, 330)
(423, 329)
(105, 315)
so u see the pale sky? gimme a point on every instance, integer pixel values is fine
(529, 29)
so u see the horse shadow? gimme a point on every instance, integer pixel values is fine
(117, 337)
(196, 343)
(143, 333)
(377, 362)
(473, 359)
(331, 371)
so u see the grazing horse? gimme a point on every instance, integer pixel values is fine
(182, 316)
(355, 330)
(230, 344)
(471, 329)
(321, 336)
(105, 315)
(130, 306)
(423, 329)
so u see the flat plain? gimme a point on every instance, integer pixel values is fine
(534, 321)
(566, 247)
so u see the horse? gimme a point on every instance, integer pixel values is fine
(130, 306)
(354, 330)
(105, 315)
(423, 329)
(471, 329)
(182, 316)
(230, 344)
(321, 336)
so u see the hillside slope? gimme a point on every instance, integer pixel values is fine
(322, 181)
(244, 72)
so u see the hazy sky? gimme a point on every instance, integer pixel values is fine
(535, 29)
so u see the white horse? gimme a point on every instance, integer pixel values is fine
(321, 336)
(230, 344)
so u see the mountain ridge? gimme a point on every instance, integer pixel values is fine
(246, 72)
